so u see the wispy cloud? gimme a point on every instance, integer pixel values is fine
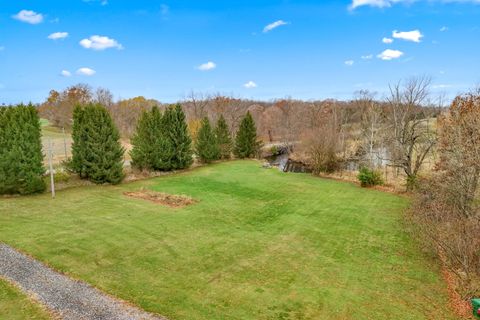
(250, 85)
(388, 3)
(100, 43)
(29, 16)
(443, 29)
(390, 54)
(58, 35)
(66, 73)
(349, 63)
(274, 25)
(207, 66)
(387, 40)
(367, 57)
(414, 35)
(86, 71)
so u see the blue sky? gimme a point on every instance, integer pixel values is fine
(260, 49)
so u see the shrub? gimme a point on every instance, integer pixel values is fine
(21, 158)
(369, 177)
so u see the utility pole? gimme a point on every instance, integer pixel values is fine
(52, 181)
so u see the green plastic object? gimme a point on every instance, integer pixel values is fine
(476, 308)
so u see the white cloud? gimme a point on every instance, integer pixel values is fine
(58, 35)
(66, 73)
(441, 86)
(443, 29)
(29, 16)
(367, 57)
(388, 3)
(207, 66)
(102, 2)
(100, 43)
(390, 54)
(86, 71)
(414, 35)
(274, 25)
(349, 63)
(250, 85)
(387, 40)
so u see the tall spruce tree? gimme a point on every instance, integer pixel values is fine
(224, 140)
(21, 158)
(246, 144)
(176, 132)
(96, 152)
(206, 145)
(151, 149)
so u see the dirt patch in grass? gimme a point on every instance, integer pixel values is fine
(171, 200)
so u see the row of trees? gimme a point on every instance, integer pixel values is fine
(161, 142)
(446, 212)
(21, 158)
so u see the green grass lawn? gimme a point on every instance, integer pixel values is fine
(259, 244)
(16, 306)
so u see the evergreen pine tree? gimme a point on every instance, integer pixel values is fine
(175, 128)
(151, 149)
(99, 155)
(78, 162)
(206, 145)
(246, 144)
(21, 158)
(224, 140)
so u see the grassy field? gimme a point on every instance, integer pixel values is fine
(259, 244)
(15, 306)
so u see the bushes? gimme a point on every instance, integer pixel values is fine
(369, 177)
(97, 154)
(446, 210)
(21, 158)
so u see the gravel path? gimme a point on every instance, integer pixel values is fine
(70, 299)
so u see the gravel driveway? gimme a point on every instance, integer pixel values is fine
(70, 299)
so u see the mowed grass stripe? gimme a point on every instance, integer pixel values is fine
(259, 244)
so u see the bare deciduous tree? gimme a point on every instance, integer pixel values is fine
(411, 135)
